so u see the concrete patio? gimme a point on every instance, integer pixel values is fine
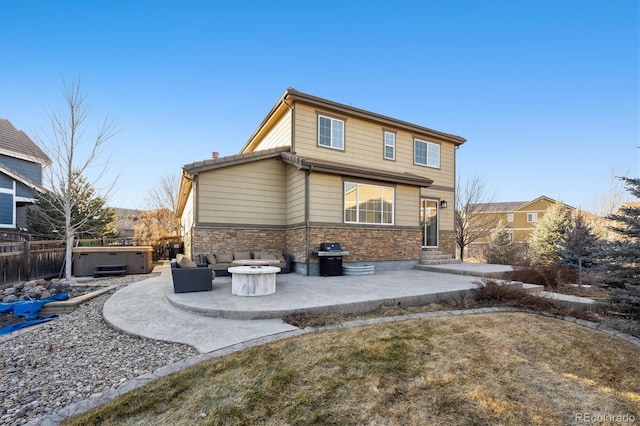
(216, 319)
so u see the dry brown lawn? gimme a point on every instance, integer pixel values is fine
(506, 368)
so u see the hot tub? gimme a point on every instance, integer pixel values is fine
(134, 259)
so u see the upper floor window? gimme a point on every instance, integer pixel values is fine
(370, 204)
(509, 217)
(330, 132)
(389, 145)
(532, 217)
(426, 153)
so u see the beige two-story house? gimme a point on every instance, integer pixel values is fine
(518, 217)
(318, 171)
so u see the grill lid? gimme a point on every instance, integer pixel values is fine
(330, 247)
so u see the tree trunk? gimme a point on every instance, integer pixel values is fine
(68, 257)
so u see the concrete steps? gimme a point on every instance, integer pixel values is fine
(437, 258)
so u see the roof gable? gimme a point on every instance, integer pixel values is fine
(291, 95)
(15, 143)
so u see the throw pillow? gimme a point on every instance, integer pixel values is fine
(211, 259)
(224, 257)
(241, 255)
(185, 262)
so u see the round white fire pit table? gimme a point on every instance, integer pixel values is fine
(253, 280)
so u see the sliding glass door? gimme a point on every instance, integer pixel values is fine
(429, 222)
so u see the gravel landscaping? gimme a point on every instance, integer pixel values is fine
(49, 366)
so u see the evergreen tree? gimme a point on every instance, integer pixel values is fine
(578, 246)
(501, 249)
(548, 235)
(90, 216)
(620, 259)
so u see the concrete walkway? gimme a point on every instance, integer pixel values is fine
(209, 321)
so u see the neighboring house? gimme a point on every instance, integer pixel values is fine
(126, 221)
(318, 171)
(21, 167)
(519, 217)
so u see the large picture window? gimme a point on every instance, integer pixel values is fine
(330, 132)
(426, 153)
(369, 204)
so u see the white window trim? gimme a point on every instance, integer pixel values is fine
(509, 217)
(332, 119)
(358, 185)
(532, 217)
(427, 143)
(384, 136)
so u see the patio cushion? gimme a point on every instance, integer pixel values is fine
(241, 255)
(211, 259)
(224, 257)
(267, 256)
(185, 262)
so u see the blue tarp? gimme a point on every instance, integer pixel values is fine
(29, 310)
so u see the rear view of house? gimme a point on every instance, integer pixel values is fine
(317, 171)
(21, 168)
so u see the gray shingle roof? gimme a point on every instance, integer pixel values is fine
(16, 143)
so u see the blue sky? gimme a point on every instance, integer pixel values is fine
(547, 93)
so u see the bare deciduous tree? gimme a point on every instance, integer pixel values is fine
(473, 218)
(159, 221)
(607, 204)
(73, 156)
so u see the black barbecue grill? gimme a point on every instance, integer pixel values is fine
(330, 255)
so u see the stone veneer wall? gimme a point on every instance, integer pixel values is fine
(364, 243)
(370, 243)
(227, 240)
(447, 242)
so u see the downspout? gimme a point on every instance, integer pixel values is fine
(306, 218)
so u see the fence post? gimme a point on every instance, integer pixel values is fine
(27, 259)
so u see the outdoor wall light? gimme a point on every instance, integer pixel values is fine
(443, 204)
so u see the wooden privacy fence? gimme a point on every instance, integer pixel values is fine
(25, 260)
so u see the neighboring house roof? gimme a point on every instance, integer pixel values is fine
(511, 206)
(15, 143)
(291, 95)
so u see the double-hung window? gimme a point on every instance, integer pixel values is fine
(509, 217)
(532, 217)
(426, 153)
(330, 132)
(389, 145)
(368, 204)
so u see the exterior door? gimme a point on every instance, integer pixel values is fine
(429, 222)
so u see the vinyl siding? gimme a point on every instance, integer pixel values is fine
(24, 191)
(364, 146)
(250, 193)
(325, 198)
(6, 209)
(31, 171)
(407, 205)
(6, 182)
(295, 195)
(276, 134)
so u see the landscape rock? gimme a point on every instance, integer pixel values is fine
(69, 359)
